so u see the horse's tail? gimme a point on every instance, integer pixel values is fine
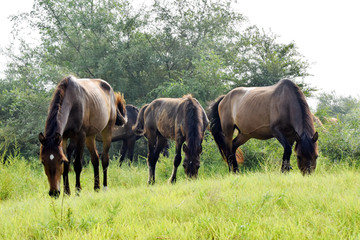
(120, 109)
(138, 128)
(215, 125)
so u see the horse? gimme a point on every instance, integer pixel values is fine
(279, 111)
(180, 119)
(126, 134)
(79, 110)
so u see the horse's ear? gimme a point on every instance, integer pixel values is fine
(58, 138)
(297, 137)
(185, 148)
(41, 138)
(315, 137)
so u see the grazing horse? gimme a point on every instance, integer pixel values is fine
(279, 111)
(180, 119)
(79, 110)
(126, 134)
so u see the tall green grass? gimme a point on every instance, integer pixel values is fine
(262, 204)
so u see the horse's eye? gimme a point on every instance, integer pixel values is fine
(62, 161)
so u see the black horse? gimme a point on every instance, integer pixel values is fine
(127, 135)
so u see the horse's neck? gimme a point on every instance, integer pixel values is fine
(301, 124)
(61, 118)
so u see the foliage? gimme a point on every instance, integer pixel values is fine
(332, 106)
(21, 104)
(258, 59)
(340, 140)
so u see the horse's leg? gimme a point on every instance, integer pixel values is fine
(177, 160)
(285, 167)
(228, 131)
(165, 150)
(123, 151)
(79, 150)
(90, 144)
(237, 142)
(151, 160)
(130, 148)
(105, 159)
(69, 152)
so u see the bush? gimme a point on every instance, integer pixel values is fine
(339, 141)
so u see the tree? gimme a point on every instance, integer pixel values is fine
(333, 106)
(258, 59)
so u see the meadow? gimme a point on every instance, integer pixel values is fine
(258, 203)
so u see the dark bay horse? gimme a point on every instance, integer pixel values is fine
(126, 134)
(79, 110)
(179, 119)
(279, 111)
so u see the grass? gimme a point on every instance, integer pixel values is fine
(250, 205)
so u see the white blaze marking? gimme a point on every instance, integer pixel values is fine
(51, 157)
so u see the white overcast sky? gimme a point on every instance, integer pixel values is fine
(327, 34)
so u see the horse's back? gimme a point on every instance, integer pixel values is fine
(95, 101)
(166, 115)
(256, 110)
(247, 108)
(161, 116)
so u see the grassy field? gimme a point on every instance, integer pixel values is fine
(250, 205)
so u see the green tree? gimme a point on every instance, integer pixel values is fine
(258, 59)
(331, 105)
(23, 102)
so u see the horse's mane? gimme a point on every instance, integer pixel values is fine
(307, 121)
(192, 120)
(55, 106)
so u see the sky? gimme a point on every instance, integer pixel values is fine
(326, 32)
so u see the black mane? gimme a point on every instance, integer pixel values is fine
(193, 122)
(54, 108)
(304, 107)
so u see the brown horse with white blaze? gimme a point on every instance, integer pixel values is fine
(79, 110)
(279, 111)
(179, 119)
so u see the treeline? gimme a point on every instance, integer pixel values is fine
(163, 49)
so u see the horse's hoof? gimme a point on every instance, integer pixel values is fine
(77, 191)
(105, 188)
(67, 191)
(172, 180)
(285, 169)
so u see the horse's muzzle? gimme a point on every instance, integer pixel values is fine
(54, 193)
(307, 171)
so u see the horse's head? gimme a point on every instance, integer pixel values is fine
(192, 161)
(52, 157)
(307, 152)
